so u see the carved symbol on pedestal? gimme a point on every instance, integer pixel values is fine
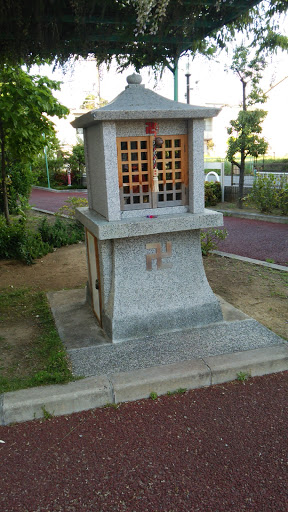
(158, 256)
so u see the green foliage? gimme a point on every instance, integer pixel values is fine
(245, 131)
(179, 391)
(27, 98)
(154, 33)
(210, 238)
(153, 395)
(61, 233)
(269, 192)
(264, 193)
(244, 135)
(72, 203)
(249, 70)
(112, 405)
(18, 183)
(57, 166)
(212, 193)
(25, 128)
(282, 198)
(56, 162)
(89, 102)
(242, 376)
(76, 162)
(46, 414)
(19, 242)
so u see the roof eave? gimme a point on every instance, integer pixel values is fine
(95, 116)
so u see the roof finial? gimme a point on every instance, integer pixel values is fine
(134, 79)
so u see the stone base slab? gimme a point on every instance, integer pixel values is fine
(128, 371)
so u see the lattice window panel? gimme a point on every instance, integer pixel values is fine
(172, 167)
(135, 168)
(134, 172)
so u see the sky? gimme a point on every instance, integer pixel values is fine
(210, 83)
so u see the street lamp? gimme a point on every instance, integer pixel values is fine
(46, 161)
(188, 74)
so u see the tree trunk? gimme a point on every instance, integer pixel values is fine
(3, 177)
(242, 153)
(241, 180)
(244, 94)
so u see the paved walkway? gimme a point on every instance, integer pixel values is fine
(256, 239)
(51, 200)
(216, 449)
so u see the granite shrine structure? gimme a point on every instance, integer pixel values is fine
(144, 162)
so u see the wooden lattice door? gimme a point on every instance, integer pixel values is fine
(135, 169)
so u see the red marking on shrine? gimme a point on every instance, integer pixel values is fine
(151, 128)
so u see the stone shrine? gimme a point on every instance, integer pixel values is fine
(145, 180)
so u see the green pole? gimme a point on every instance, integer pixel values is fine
(176, 80)
(47, 170)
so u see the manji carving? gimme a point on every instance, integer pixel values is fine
(158, 256)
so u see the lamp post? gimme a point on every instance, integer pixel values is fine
(188, 74)
(47, 170)
(46, 161)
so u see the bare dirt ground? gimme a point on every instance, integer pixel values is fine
(63, 268)
(258, 291)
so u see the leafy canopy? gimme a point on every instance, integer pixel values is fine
(26, 102)
(25, 128)
(245, 131)
(245, 136)
(137, 32)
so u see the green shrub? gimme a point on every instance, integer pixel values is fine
(264, 193)
(70, 207)
(55, 162)
(282, 195)
(19, 182)
(19, 242)
(61, 232)
(269, 192)
(212, 193)
(209, 239)
(76, 161)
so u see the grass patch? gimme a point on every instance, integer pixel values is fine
(39, 360)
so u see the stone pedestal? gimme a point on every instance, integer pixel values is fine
(150, 276)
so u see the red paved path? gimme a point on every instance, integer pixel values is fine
(50, 200)
(251, 238)
(217, 449)
(256, 239)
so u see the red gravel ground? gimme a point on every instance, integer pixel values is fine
(217, 449)
(256, 239)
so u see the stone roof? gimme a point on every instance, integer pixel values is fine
(137, 102)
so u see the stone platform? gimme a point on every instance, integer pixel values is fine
(132, 370)
(92, 354)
